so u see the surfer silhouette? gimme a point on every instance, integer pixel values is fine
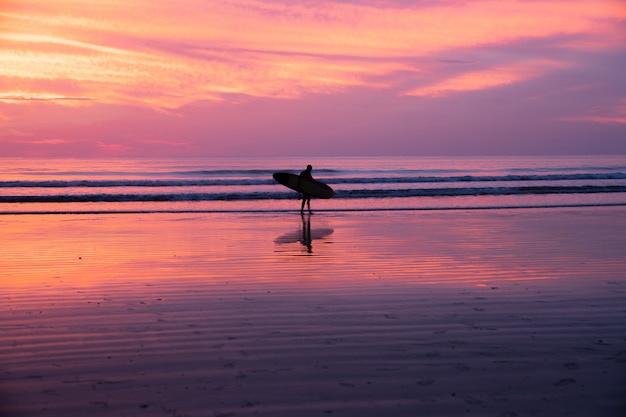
(306, 174)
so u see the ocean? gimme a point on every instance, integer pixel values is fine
(141, 185)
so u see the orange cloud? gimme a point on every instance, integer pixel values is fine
(48, 142)
(485, 79)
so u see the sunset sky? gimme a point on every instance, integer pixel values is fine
(287, 77)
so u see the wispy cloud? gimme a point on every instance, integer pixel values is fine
(112, 148)
(611, 114)
(27, 96)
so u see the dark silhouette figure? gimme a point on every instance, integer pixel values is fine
(306, 174)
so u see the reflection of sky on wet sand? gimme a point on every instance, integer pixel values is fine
(417, 247)
(171, 313)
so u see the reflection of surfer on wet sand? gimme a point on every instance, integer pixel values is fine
(305, 236)
(306, 231)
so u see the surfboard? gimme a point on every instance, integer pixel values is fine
(313, 188)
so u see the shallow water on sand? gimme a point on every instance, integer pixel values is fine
(497, 312)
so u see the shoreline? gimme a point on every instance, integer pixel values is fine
(327, 211)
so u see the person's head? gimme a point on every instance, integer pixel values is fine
(309, 167)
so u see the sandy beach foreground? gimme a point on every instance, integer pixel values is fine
(432, 313)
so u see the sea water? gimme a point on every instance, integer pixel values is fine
(131, 185)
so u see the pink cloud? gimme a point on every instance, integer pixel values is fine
(605, 114)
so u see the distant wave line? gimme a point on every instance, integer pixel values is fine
(474, 178)
(269, 181)
(131, 183)
(341, 194)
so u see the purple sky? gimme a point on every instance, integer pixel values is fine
(312, 78)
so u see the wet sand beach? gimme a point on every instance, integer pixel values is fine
(391, 313)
